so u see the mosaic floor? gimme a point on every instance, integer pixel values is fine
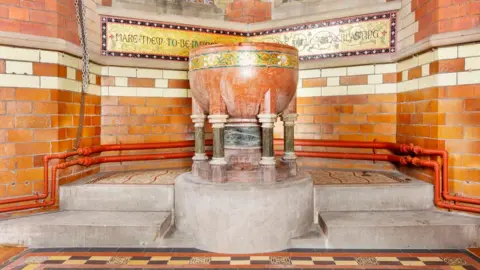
(166, 258)
(329, 177)
(158, 177)
(319, 176)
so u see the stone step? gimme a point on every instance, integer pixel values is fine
(116, 197)
(314, 238)
(87, 229)
(428, 229)
(414, 195)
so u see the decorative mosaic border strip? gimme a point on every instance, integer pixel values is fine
(321, 24)
(243, 58)
(185, 257)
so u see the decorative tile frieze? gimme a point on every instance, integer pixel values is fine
(354, 36)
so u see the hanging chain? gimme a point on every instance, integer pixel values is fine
(82, 33)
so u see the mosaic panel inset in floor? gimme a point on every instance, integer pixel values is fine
(158, 177)
(319, 177)
(330, 177)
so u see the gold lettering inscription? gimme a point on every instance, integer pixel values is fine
(340, 37)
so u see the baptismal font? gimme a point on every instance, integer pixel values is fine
(243, 199)
(243, 88)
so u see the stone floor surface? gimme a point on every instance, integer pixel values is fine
(188, 258)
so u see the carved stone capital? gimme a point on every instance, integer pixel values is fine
(198, 119)
(218, 120)
(267, 120)
(289, 119)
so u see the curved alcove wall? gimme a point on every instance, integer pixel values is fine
(426, 92)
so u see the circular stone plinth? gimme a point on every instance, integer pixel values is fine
(243, 217)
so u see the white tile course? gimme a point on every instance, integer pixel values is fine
(121, 81)
(309, 73)
(375, 79)
(361, 70)
(469, 50)
(386, 88)
(309, 92)
(385, 68)
(334, 72)
(360, 89)
(13, 80)
(122, 91)
(334, 91)
(17, 67)
(175, 74)
(122, 71)
(446, 53)
(333, 81)
(472, 63)
(149, 73)
(19, 54)
(161, 83)
(19, 73)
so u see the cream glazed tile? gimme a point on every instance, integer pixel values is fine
(334, 91)
(18, 67)
(122, 91)
(19, 54)
(333, 81)
(361, 70)
(334, 72)
(13, 80)
(310, 73)
(309, 92)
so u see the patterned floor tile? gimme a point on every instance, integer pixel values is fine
(367, 261)
(283, 260)
(200, 260)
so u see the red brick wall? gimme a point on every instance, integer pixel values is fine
(35, 122)
(441, 16)
(445, 118)
(39, 115)
(146, 120)
(248, 11)
(349, 118)
(48, 18)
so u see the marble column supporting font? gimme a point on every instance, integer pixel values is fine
(200, 163)
(268, 156)
(218, 163)
(289, 156)
(199, 121)
(289, 140)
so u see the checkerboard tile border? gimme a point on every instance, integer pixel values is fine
(458, 260)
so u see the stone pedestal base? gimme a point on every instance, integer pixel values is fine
(291, 165)
(243, 217)
(269, 173)
(201, 168)
(218, 173)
